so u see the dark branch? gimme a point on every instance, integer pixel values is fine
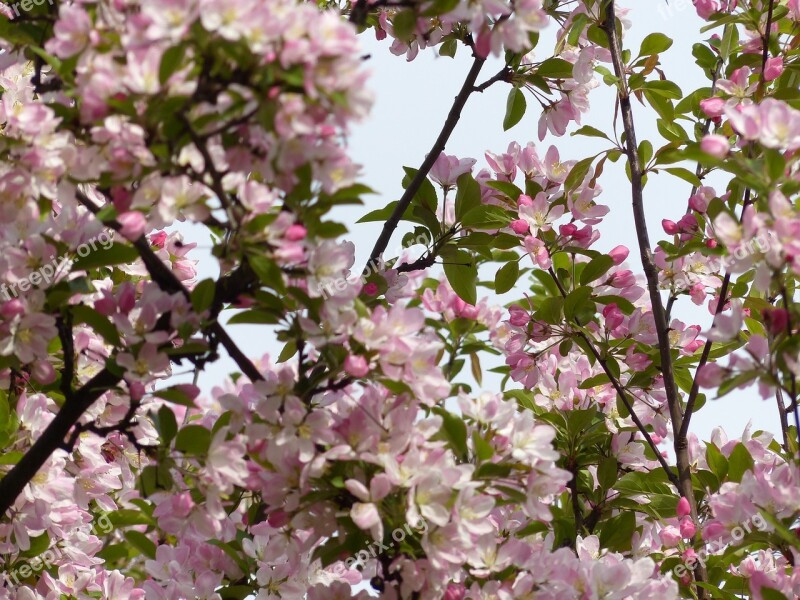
(437, 148)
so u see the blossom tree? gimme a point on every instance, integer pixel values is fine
(365, 459)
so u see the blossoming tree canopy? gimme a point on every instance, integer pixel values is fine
(367, 458)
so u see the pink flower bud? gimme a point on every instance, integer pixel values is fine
(714, 530)
(670, 536)
(618, 254)
(715, 145)
(295, 233)
(670, 227)
(12, 308)
(455, 591)
(371, 289)
(683, 507)
(777, 320)
(568, 229)
(773, 68)
(710, 376)
(356, 366)
(613, 316)
(687, 528)
(520, 226)
(278, 519)
(524, 200)
(688, 222)
(711, 243)
(519, 317)
(699, 203)
(133, 224)
(43, 372)
(158, 239)
(712, 107)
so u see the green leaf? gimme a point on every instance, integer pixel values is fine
(142, 543)
(599, 379)
(193, 439)
(382, 214)
(448, 48)
(515, 108)
(607, 472)
(289, 350)
(655, 43)
(772, 594)
(483, 449)
(170, 62)
(739, 462)
(462, 273)
(618, 531)
(596, 268)
(645, 152)
(666, 89)
(100, 256)
(578, 173)
(38, 544)
(684, 174)
(176, 396)
(486, 216)
(11, 457)
(468, 195)
(576, 300)
(167, 424)
(203, 295)
(549, 310)
(85, 315)
(555, 68)
(454, 431)
(716, 461)
(255, 316)
(506, 277)
(404, 24)
(590, 131)
(268, 272)
(508, 188)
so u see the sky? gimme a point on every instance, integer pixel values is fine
(412, 100)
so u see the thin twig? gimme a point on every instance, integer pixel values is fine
(444, 135)
(621, 393)
(685, 488)
(168, 282)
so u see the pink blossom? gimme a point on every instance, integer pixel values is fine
(356, 366)
(715, 145)
(133, 224)
(713, 107)
(618, 254)
(687, 528)
(447, 169)
(773, 68)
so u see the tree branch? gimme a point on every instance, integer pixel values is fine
(651, 273)
(622, 394)
(444, 135)
(53, 437)
(168, 282)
